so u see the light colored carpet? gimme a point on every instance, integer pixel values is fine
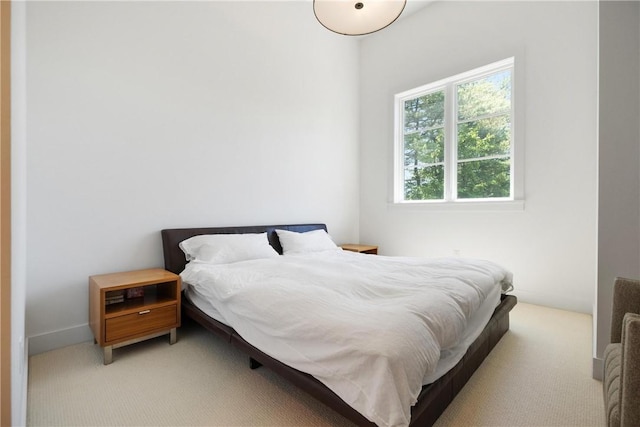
(538, 375)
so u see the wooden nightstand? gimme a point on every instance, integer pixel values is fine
(364, 249)
(132, 306)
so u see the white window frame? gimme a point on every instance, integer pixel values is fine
(449, 85)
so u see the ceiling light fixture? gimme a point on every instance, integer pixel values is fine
(357, 17)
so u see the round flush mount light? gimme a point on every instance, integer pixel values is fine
(356, 18)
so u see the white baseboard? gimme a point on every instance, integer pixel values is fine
(598, 369)
(58, 339)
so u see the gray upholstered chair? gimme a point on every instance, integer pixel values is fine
(621, 382)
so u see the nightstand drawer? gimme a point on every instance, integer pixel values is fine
(145, 321)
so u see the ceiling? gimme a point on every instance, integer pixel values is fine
(413, 6)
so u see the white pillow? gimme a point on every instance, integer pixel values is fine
(301, 243)
(227, 248)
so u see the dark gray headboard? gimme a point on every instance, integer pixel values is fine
(174, 259)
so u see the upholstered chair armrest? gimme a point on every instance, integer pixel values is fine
(630, 371)
(626, 299)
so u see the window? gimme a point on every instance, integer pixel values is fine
(454, 138)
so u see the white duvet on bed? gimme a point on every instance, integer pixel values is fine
(369, 327)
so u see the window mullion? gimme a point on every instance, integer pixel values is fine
(450, 180)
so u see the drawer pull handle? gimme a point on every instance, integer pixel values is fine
(144, 312)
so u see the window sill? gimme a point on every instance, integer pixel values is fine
(459, 206)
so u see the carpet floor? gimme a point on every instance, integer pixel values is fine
(539, 374)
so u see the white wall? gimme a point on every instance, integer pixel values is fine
(19, 356)
(550, 245)
(151, 115)
(619, 157)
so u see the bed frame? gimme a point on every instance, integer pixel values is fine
(433, 399)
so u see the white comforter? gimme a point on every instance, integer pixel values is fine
(368, 327)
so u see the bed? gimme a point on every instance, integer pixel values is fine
(432, 399)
